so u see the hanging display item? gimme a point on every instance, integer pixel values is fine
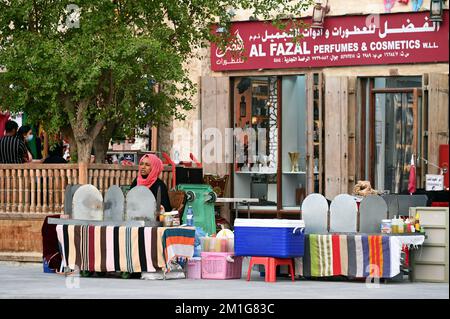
(388, 5)
(403, 1)
(416, 4)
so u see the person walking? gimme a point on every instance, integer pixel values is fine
(12, 149)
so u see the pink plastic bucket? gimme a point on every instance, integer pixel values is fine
(221, 266)
(194, 268)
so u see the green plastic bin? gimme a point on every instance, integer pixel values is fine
(202, 198)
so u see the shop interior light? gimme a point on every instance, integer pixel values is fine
(436, 10)
(319, 12)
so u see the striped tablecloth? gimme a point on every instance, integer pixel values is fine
(127, 249)
(355, 256)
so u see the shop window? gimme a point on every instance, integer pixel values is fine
(293, 141)
(256, 139)
(390, 130)
(270, 158)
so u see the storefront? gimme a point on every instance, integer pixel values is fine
(355, 100)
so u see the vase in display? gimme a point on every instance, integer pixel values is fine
(294, 156)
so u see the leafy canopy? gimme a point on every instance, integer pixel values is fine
(89, 62)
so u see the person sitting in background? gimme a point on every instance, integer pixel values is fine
(66, 152)
(150, 166)
(55, 155)
(26, 135)
(12, 149)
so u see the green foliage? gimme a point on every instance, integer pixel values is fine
(123, 63)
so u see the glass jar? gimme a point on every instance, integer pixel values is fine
(168, 220)
(386, 226)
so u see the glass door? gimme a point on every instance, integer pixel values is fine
(395, 138)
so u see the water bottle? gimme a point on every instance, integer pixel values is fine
(190, 216)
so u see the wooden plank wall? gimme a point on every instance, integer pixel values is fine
(215, 113)
(352, 105)
(437, 117)
(336, 136)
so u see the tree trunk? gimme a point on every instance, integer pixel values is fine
(100, 149)
(84, 148)
(101, 142)
(83, 132)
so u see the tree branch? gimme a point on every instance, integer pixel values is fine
(111, 89)
(95, 130)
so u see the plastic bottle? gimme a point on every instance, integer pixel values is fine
(223, 245)
(394, 225)
(231, 245)
(206, 244)
(407, 226)
(417, 222)
(212, 244)
(190, 216)
(401, 226)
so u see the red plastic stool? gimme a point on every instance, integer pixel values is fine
(270, 264)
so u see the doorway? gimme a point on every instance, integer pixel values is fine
(391, 131)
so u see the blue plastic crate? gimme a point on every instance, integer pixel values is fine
(282, 238)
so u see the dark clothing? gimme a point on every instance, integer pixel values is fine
(12, 150)
(165, 201)
(55, 160)
(50, 245)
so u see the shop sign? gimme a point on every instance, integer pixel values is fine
(434, 182)
(129, 157)
(348, 40)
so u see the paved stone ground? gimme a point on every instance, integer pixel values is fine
(26, 280)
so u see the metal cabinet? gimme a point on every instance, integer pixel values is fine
(430, 262)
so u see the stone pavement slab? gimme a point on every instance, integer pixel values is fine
(27, 280)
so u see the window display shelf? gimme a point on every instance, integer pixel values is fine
(258, 173)
(244, 207)
(294, 208)
(294, 173)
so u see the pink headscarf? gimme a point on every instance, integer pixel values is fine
(157, 167)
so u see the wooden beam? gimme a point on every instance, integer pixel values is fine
(438, 125)
(363, 128)
(280, 147)
(351, 170)
(371, 124)
(310, 133)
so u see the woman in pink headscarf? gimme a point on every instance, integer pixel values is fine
(150, 166)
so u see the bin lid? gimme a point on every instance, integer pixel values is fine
(279, 223)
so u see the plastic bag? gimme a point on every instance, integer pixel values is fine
(199, 232)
